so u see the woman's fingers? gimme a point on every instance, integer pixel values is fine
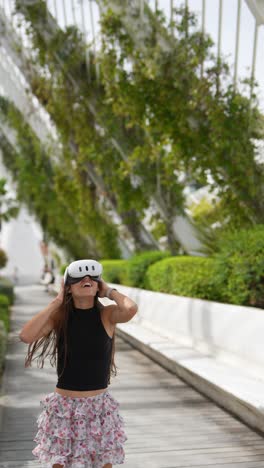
(61, 287)
(103, 286)
(61, 291)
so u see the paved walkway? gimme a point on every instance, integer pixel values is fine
(169, 425)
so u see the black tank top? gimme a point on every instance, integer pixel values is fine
(89, 349)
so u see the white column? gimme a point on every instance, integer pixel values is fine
(253, 67)
(237, 40)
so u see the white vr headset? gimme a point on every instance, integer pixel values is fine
(77, 270)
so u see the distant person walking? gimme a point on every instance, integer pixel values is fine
(80, 425)
(48, 278)
(15, 275)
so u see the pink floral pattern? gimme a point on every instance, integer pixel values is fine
(80, 432)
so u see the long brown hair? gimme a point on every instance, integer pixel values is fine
(48, 345)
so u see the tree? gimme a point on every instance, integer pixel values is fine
(74, 104)
(192, 125)
(174, 126)
(65, 212)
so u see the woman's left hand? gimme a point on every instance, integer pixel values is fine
(102, 287)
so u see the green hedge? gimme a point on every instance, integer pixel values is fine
(240, 267)
(235, 274)
(138, 266)
(7, 288)
(4, 311)
(115, 271)
(3, 344)
(184, 276)
(4, 327)
(3, 258)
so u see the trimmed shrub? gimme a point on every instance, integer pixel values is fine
(3, 344)
(184, 276)
(115, 271)
(138, 265)
(4, 311)
(3, 258)
(4, 328)
(7, 288)
(240, 267)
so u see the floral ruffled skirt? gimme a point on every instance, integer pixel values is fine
(80, 432)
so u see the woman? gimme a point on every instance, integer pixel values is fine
(79, 426)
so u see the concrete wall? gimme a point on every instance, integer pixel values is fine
(229, 333)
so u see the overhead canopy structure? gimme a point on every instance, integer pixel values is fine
(257, 9)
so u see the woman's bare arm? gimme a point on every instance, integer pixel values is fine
(42, 323)
(125, 309)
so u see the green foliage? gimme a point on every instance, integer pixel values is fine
(3, 258)
(190, 123)
(3, 346)
(56, 193)
(235, 274)
(4, 326)
(8, 206)
(240, 267)
(204, 209)
(210, 220)
(7, 289)
(63, 268)
(167, 118)
(4, 311)
(115, 271)
(73, 96)
(138, 265)
(184, 276)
